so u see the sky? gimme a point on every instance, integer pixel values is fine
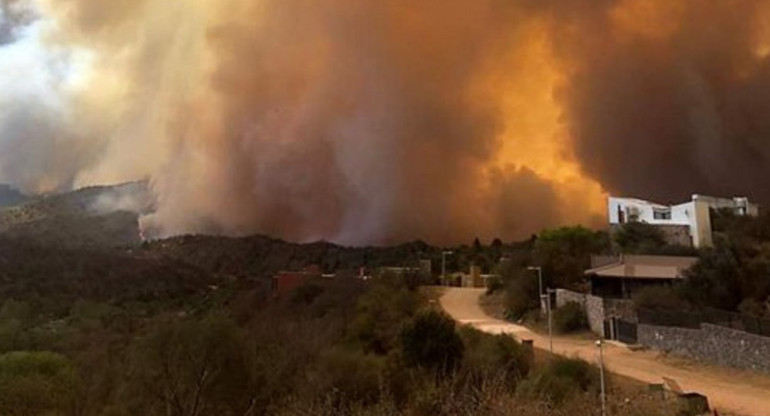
(373, 122)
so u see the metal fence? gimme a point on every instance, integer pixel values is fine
(693, 319)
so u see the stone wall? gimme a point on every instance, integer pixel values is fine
(595, 313)
(620, 308)
(710, 343)
(598, 309)
(564, 296)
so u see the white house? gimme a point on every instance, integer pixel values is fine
(692, 218)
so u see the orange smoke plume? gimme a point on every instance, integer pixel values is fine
(376, 121)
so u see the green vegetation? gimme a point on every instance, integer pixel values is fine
(35, 383)
(188, 326)
(643, 238)
(560, 379)
(335, 346)
(565, 253)
(429, 341)
(570, 318)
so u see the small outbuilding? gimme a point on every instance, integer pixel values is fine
(621, 277)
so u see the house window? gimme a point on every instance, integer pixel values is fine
(661, 214)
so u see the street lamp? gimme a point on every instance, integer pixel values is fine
(540, 293)
(443, 265)
(539, 271)
(599, 344)
(550, 318)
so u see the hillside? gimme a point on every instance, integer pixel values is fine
(103, 216)
(58, 277)
(260, 256)
(10, 196)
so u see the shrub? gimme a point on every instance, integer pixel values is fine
(753, 307)
(520, 297)
(430, 341)
(494, 284)
(570, 318)
(559, 380)
(307, 293)
(347, 375)
(489, 354)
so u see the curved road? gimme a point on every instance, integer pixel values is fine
(740, 392)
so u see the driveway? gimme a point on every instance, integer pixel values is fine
(734, 391)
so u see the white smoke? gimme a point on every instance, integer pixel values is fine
(38, 152)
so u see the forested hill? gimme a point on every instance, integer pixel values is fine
(261, 256)
(97, 217)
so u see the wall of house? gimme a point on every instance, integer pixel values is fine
(701, 226)
(646, 211)
(710, 343)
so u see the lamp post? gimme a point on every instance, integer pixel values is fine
(539, 271)
(443, 265)
(599, 344)
(550, 318)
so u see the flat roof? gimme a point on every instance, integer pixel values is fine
(644, 267)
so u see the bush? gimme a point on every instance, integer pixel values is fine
(753, 308)
(379, 314)
(521, 297)
(487, 354)
(570, 318)
(347, 375)
(559, 380)
(429, 341)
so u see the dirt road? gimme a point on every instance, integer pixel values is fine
(734, 391)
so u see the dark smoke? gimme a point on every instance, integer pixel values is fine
(666, 117)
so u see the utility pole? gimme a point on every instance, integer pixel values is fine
(443, 266)
(599, 344)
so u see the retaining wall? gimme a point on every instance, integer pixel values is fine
(710, 343)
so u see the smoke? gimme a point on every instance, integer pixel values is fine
(662, 105)
(373, 121)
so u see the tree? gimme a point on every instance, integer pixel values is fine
(380, 312)
(191, 368)
(714, 280)
(564, 253)
(639, 237)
